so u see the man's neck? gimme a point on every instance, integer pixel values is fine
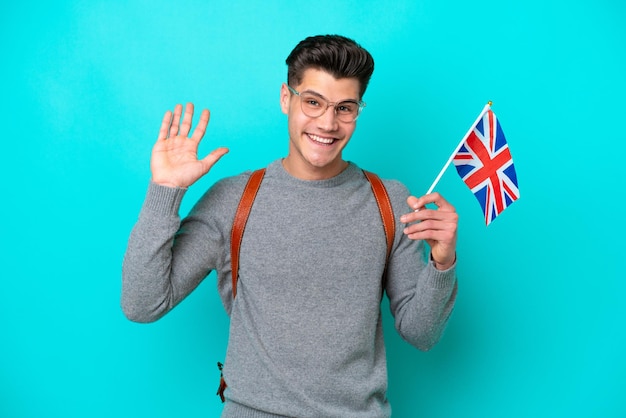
(310, 172)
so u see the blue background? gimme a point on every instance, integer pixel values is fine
(539, 325)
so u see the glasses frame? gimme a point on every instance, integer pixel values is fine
(360, 103)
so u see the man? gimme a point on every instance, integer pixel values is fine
(306, 335)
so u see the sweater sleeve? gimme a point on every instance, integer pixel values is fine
(165, 259)
(421, 298)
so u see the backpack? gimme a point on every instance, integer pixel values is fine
(243, 211)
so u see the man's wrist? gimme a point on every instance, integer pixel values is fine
(443, 266)
(167, 184)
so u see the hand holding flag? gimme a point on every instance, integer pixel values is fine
(438, 227)
(484, 162)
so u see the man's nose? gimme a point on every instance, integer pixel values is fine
(328, 119)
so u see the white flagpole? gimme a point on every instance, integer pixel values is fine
(485, 109)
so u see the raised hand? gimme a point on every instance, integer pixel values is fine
(437, 226)
(174, 161)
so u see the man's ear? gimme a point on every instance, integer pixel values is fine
(285, 97)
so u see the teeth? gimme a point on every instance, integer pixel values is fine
(321, 140)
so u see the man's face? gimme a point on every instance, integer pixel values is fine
(316, 144)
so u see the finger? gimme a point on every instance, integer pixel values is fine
(185, 127)
(441, 223)
(214, 157)
(425, 214)
(443, 233)
(178, 110)
(414, 203)
(429, 220)
(434, 198)
(420, 212)
(198, 133)
(165, 125)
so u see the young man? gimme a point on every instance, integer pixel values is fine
(306, 335)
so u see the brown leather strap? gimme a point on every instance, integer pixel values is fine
(247, 199)
(385, 208)
(241, 217)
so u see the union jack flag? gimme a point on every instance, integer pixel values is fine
(485, 164)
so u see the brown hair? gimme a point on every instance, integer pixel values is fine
(340, 56)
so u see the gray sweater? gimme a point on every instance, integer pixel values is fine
(306, 335)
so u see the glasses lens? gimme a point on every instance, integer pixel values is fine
(347, 111)
(313, 106)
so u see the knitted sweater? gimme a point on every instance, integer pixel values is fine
(306, 336)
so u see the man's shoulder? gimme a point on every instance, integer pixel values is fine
(394, 187)
(237, 181)
(398, 192)
(224, 195)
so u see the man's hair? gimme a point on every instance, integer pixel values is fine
(339, 56)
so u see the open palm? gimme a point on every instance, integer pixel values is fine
(174, 161)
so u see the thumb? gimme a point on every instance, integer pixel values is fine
(414, 203)
(210, 160)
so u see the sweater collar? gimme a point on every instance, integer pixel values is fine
(276, 169)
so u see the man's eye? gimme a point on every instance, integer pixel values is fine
(346, 107)
(312, 102)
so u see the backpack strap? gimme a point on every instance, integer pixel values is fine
(241, 217)
(385, 208)
(249, 194)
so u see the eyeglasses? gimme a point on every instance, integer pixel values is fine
(314, 106)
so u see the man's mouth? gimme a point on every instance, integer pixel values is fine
(321, 140)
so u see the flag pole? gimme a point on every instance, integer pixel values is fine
(485, 109)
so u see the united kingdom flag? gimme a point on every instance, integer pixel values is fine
(485, 164)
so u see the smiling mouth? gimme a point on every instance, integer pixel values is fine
(321, 140)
